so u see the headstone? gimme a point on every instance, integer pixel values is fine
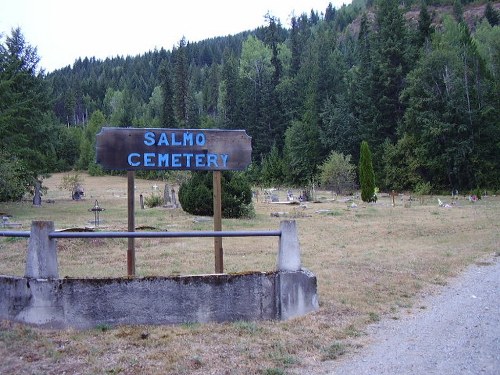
(174, 198)
(166, 195)
(37, 199)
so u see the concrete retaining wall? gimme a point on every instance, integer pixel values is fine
(84, 303)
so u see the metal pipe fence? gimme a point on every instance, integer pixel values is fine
(269, 233)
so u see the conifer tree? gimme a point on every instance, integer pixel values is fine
(366, 175)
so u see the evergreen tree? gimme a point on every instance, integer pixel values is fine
(302, 152)
(452, 112)
(181, 83)
(491, 14)
(29, 139)
(167, 117)
(424, 24)
(366, 174)
(229, 107)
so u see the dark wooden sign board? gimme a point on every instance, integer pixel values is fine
(134, 149)
(173, 149)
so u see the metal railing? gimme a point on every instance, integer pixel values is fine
(56, 234)
(42, 250)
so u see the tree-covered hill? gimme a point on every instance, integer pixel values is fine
(418, 82)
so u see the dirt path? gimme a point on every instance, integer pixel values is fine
(454, 332)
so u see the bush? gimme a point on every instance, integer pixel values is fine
(423, 188)
(337, 173)
(14, 178)
(196, 195)
(366, 174)
(153, 200)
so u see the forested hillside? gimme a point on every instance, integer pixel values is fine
(419, 83)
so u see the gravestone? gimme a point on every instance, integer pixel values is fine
(174, 198)
(37, 198)
(167, 200)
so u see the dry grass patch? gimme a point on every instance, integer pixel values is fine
(371, 261)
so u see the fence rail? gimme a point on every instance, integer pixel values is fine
(269, 233)
(42, 247)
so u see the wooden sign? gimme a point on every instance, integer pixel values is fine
(173, 149)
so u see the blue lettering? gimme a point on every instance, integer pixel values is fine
(200, 160)
(212, 159)
(149, 138)
(224, 158)
(188, 139)
(163, 140)
(131, 162)
(163, 160)
(188, 159)
(200, 139)
(148, 162)
(174, 141)
(176, 162)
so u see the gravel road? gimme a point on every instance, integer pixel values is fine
(458, 332)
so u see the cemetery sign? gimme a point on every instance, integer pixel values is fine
(173, 149)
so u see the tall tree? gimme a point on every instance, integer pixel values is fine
(366, 174)
(388, 77)
(181, 83)
(453, 112)
(167, 116)
(28, 136)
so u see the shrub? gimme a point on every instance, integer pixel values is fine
(423, 188)
(153, 200)
(196, 195)
(337, 173)
(366, 174)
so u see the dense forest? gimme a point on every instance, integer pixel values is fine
(419, 82)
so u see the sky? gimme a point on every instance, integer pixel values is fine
(64, 30)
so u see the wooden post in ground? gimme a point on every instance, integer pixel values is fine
(219, 254)
(131, 224)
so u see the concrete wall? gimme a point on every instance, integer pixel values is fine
(42, 299)
(85, 303)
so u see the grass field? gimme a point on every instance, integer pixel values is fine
(371, 261)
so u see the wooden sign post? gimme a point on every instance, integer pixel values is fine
(214, 150)
(218, 252)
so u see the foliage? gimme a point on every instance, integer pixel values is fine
(71, 182)
(30, 138)
(87, 144)
(425, 98)
(196, 195)
(302, 152)
(337, 173)
(366, 174)
(13, 178)
(153, 200)
(272, 173)
(423, 188)
(452, 109)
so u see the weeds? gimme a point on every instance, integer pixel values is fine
(333, 351)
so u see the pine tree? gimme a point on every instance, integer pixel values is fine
(181, 84)
(366, 174)
(167, 118)
(491, 15)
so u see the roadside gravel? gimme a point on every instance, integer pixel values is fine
(454, 332)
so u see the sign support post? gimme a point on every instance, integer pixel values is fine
(131, 223)
(218, 252)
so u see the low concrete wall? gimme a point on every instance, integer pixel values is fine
(42, 299)
(85, 303)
